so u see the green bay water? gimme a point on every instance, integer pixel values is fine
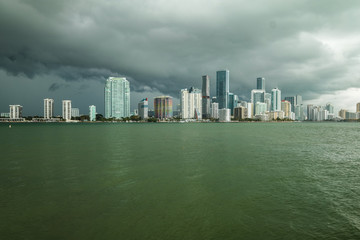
(180, 181)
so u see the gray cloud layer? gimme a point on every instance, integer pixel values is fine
(304, 47)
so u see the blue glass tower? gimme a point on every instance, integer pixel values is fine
(222, 88)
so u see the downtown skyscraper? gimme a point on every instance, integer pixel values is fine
(205, 96)
(222, 88)
(275, 99)
(260, 83)
(117, 98)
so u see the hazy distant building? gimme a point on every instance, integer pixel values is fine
(75, 112)
(260, 108)
(275, 100)
(15, 111)
(48, 108)
(205, 96)
(224, 115)
(66, 110)
(163, 107)
(350, 115)
(5, 115)
(274, 115)
(260, 83)
(215, 110)
(268, 101)
(299, 113)
(222, 88)
(330, 108)
(286, 108)
(342, 113)
(358, 107)
(257, 95)
(143, 108)
(117, 97)
(92, 113)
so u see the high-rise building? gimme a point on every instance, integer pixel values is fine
(92, 113)
(240, 113)
(117, 97)
(191, 103)
(233, 100)
(75, 112)
(205, 96)
(358, 107)
(286, 108)
(66, 110)
(260, 83)
(257, 95)
(222, 88)
(224, 115)
(143, 108)
(163, 107)
(299, 113)
(260, 108)
(275, 100)
(292, 101)
(215, 110)
(342, 113)
(330, 108)
(15, 111)
(268, 101)
(48, 108)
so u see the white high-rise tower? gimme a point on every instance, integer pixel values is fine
(48, 108)
(66, 110)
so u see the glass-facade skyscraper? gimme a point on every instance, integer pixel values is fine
(117, 97)
(222, 88)
(276, 99)
(260, 83)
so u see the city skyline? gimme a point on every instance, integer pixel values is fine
(61, 52)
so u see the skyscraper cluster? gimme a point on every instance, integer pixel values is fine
(197, 105)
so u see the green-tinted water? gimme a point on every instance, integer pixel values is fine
(180, 181)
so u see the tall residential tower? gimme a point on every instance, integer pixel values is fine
(117, 97)
(66, 110)
(48, 108)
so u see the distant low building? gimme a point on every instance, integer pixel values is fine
(5, 115)
(75, 112)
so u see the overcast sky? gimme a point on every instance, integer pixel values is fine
(66, 49)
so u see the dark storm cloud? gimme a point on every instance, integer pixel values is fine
(167, 45)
